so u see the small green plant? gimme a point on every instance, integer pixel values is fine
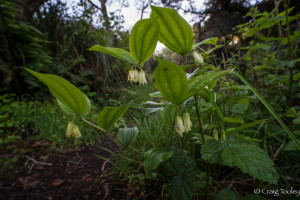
(190, 142)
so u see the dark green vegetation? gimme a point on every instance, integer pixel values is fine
(225, 119)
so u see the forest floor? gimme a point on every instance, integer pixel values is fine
(71, 173)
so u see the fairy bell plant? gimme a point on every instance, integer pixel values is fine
(175, 88)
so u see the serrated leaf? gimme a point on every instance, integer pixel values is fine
(250, 159)
(110, 115)
(199, 82)
(171, 81)
(116, 52)
(153, 158)
(127, 135)
(244, 126)
(175, 31)
(182, 170)
(235, 152)
(143, 39)
(65, 92)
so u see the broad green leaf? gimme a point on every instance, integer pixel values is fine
(110, 115)
(127, 135)
(143, 39)
(250, 159)
(116, 52)
(236, 152)
(244, 126)
(153, 158)
(175, 32)
(239, 108)
(269, 107)
(65, 92)
(69, 111)
(181, 169)
(171, 81)
(213, 41)
(199, 82)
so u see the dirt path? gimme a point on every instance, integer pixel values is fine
(68, 174)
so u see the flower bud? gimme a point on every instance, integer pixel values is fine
(73, 130)
(197, 56)
(215, 135)
(179, 125)
(187, 122)
(142, 77)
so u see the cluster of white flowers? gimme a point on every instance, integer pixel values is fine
(184, 125)
(137, 77)
(73, 130)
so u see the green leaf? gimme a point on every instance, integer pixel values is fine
(116, 52)
(199, 82)
(127, 135)
(153, 158)
(235, 152)
(271, 110)
(233, 120)
(65, 92)
(212, 40)
(244, 126)
(175, 32)
(181, 169)
(156, 94)
(70, 112)
(143, 39)
(109, 116)
(171, 81)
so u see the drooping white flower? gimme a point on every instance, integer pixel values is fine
(179, 125)
(136, 76)
(197, 56)
(187, 122)
(130, 75)
(73, 130)
(142, 77)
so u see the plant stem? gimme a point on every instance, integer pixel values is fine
(199, 119)
(116, 139)
(173, 126)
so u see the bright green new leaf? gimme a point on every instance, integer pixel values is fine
(175, 32)
(65, 92)
(127, 135)
(143, 39)
(109, 116)
(116, 52)
(171, 81)
(153, 158)
(199, 82)
(213, 41)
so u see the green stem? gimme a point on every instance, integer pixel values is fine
(199, 119)
(172, 131)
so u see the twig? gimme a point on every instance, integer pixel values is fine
(37, 162)
(277, 152)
